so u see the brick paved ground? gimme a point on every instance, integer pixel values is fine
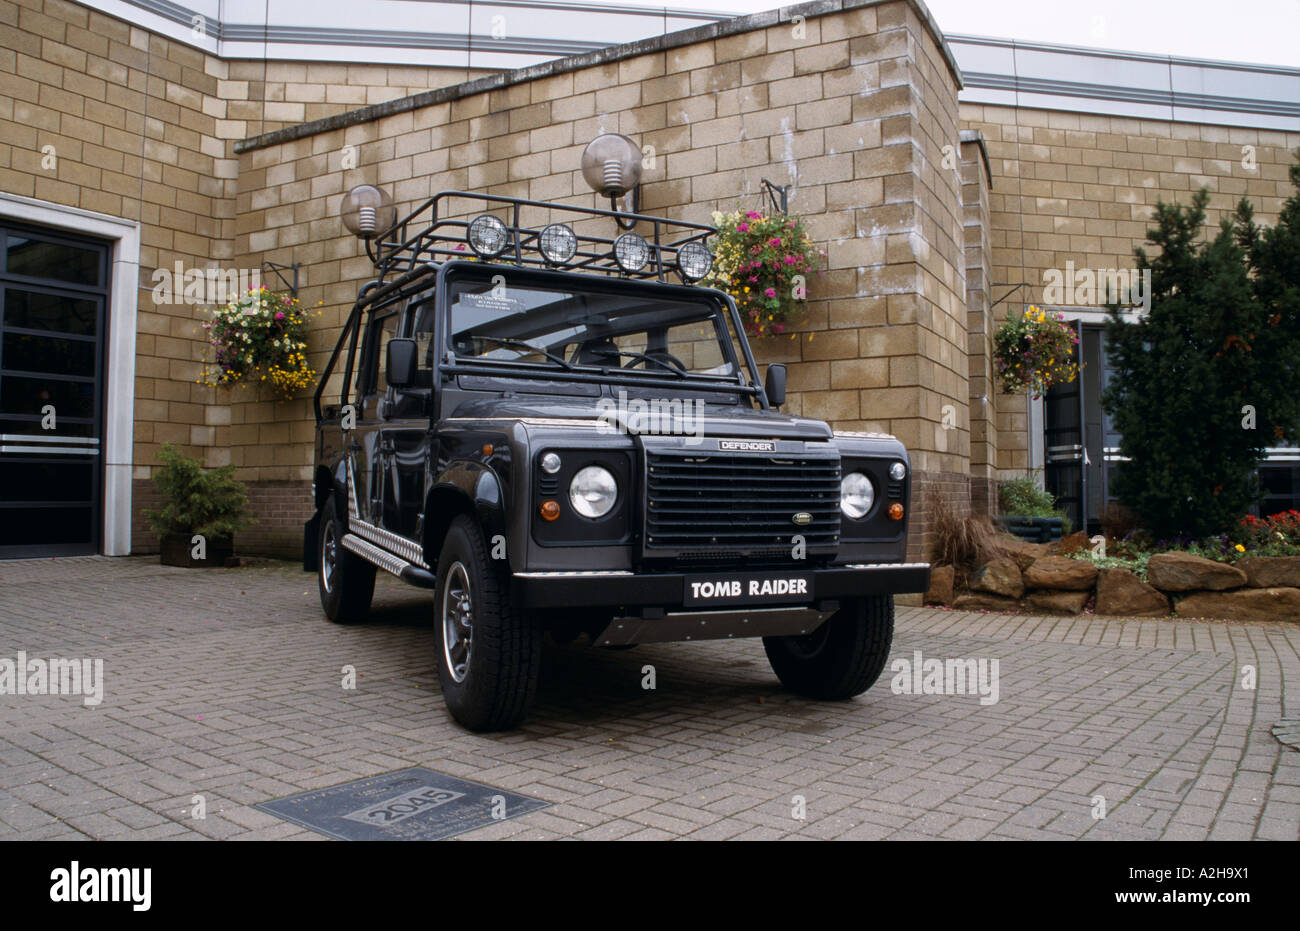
(226, 683)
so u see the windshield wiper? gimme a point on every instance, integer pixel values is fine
(680, 373)
(516, 343)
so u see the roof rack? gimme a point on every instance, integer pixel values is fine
(429, 234)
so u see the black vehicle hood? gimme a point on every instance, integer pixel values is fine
(708, 419)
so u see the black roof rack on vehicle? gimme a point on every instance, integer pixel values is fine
(433, 233)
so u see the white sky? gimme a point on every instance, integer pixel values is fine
(1264, 31)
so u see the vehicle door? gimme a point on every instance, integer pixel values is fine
(404, 432)
(365, 447)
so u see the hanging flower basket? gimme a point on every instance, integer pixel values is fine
(261, 336)
(764, 263)
(1035, 350)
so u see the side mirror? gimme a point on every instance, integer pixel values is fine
(400, 364)
(774, 384)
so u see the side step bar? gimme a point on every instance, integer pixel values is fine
(388, 562)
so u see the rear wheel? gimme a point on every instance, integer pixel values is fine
(841, 658)
(489, 652)
(346, 581)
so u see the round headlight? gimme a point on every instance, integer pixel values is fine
(897, 471)
(488, 236)
(558, 243)
(694, 261)
(631, 252)
(593, 492)
(856, 495)
(550, 463)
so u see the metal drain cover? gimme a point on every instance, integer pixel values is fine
(410, 804)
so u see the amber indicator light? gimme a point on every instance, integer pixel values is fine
(549, 510)
(895, 511)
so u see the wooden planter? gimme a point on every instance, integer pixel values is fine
(175, 550)
(1032, 529)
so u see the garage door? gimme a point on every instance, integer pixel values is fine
(53, 295)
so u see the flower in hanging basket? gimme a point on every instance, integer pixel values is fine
(1035, 350)
(763, 262)
(259, 336)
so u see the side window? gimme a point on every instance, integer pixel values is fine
(371, 379)
(337, 381)
(423, 335)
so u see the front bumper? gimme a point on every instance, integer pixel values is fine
(668, 590)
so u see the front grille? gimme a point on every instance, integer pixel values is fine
(722, 504)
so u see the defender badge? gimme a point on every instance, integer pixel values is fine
(802, 517)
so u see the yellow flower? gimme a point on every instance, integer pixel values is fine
(1239, 548)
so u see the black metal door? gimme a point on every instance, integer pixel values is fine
(53, 300)
(1065, 444)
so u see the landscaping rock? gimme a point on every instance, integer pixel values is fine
(1074, 543)
(1061, 573)
(940, 592)
(999, 577)
(981, 601)
(1024, 552)
(1271, 571)
(1056, 602)
(1120, 592)
(1183, 572)
(1244, 604)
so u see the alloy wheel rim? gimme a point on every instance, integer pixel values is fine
(457, 609)
(329, 557)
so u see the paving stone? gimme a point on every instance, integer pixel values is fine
(1146, 712)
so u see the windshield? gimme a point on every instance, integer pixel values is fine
(564, 328)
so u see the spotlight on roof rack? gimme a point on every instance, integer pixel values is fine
(367, 211)
(488, 236)
(557, 243)
(611, 164)
(631, 252)
(694, 261)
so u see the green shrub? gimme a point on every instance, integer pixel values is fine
(1021, 497)
(1206, 380)
(208, 502)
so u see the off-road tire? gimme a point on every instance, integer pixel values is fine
(498, 677)
(346, 595)
(843, 657)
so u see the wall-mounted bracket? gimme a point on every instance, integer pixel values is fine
(290, 283)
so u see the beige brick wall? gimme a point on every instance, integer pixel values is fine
(143, 127)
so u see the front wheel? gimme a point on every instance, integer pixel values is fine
(346, 581)
(489, 652)
(841, 658)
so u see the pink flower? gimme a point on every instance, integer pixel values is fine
(743, 227)
(753, 279)
(279, 315)
(778, 328)
(770, 292)
(753, 215)
(774, 242)
(790, 260)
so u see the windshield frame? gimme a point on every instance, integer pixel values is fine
(743, 382)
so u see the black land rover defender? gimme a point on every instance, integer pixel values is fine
(537, 422)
